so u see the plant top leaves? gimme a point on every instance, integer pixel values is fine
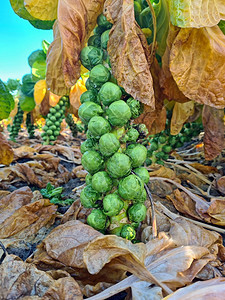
(45, 10)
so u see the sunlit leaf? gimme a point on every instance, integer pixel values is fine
(195, 13)
(45, 46)
(6, 101)
(44, 10)
(39, 69)
(197, 63)
(20, 10)
(39, 91)
(6, 153)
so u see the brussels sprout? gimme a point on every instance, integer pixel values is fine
(118, 113)
(95, 41)
(119, 165)
(162, 139)
(137, 212)
(99, 30)
(101, 182)
(136, 107)
(160, 162)
(130, 187)
(166, 149)
(112, 205)
(143, 197)
(153, 146)
(128, 232)
(99, 75)
(108, 144)
(87, 110)
(132, 135)
(88, 179)
(102, 21)
(118, 132)
(142, 129)
(97, 219)
(89, 196)
(142, 173)
(105, 39)
(91, 56)
(92, 161)
(109, 93)
(137, 153)
(89, 144)
(98, 126)
(159, 154)
(88, 96)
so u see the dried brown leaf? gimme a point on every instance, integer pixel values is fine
(6, 153)
(213, 123)
(163, 172)
(127, 53)
(45, 106)
(197, 70)
(221, 184)
(181, 113)
(23, 151)
(205, 290)
(204, 169)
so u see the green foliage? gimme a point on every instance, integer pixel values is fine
(45, 46)
(222, 26)
(55, 195)
(44, 25)
(128, 232)
(105, 39)
(102, 22)
(15, 128)
(13, 84)
(6, 101)
(95, 41)
(39, 69)
(37, 55)
(88, 96)
(91, 56)
(136, 107)
(26, 103)
(28, 82)
(30, 126)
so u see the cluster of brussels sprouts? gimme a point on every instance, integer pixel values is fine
(111, 153)
(16, 126)
(30, 126)
(163, 143)
(74, 127)
(53, 121)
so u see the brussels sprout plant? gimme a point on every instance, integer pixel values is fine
(112, 148)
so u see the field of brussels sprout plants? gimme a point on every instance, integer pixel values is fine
(112, 161)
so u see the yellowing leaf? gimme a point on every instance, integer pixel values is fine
(196, 13)
(40, 91)
(127, 48)
(76, 91)
(53, 99)
(181, 112)
(20, 10)
(6, 152)
(44, 10)
(197, 63)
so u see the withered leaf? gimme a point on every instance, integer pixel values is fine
(54, 76)
(213, 123)
(127, 54)
(195, 13)
(197, 70)
(6, 152)
(205, 169)
(181, 113)
(221, 184)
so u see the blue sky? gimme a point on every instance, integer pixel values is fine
(18, 39)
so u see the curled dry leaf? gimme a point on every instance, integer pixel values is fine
(45, 106)
(205, 290)
(54, 76)
(221, 184)
(204, 169)
(181, 113)
(198, 70)
(44, 10)
(213, 123)
(196, 14)
(6, 153)
(127, 52)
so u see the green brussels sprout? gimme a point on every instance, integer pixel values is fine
(92, 161)
(99, 75)
(136, 107)
(95, 41)
(89, 144)
(105, 39)
(128, 232)
(87, 110)
(112, 205)
(97, 219)
(137, 212)
(88, 96)
(132, 135)
(108, 144)
(137, 153)
(162, 139)
(142, 129)
(109, 93)
(118, 132)
(118, 113)
(99, 30)
(91, 56)
(101, 182)
(142, 173)
(167, 149)
(118, 165)
(102, 21)
(89, 196)
(98, 126)
(88, 179)
(153, 146)
(160, 162)
(172, 140)
(143, 197)
(159, 154)
(130, 187)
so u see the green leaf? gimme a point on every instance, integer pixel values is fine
(26, 103)
(222, 26)
(20, 10)
(39, 24)
(36, 55)
(6, 101)
(39, 69)
(13, 84)
(45, 46)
